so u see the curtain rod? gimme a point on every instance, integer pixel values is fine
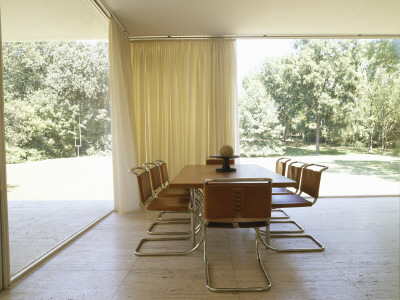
(107, 13)
(274, 36)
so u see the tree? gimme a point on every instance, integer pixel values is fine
(259, 125)
(52, 88)
(382, 73)
(314, 86)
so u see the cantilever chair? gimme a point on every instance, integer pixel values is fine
(143, 177)
(309, 184)
(237, 203)
(174, 204)
(280, 168)
(280, 165)
(164, 172)
(294, 172)
(159, 189)
(160, 180)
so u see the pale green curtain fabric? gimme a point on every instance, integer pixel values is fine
(184, 94)
(126, 196)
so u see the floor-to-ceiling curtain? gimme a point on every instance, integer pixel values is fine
(122, 121)
(184, 94)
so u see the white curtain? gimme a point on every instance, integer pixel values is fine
(184, 96)
(126, 196)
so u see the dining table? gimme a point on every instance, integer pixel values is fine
(193, 176)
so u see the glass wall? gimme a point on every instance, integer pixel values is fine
(334, 102)
(58, 142)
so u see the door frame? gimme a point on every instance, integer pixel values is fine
(4, 239)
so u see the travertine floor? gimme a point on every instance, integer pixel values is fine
(35, 227)
(361, 260)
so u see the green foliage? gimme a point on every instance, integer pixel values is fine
(337, 92)
(259, 124)
(18, 155)
(51, 89)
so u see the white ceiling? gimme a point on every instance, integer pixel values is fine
(37, 20)
(257, 17)
(79, 19)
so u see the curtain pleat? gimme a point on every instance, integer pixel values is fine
(126, 196)
(184, 95)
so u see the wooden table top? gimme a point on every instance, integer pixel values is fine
(193, 176)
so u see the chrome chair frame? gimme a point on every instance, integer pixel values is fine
(242, 289)
(267, 242)
(257, 238)
(276, 220)
(285, 215)
(165, 183)
(150, 230)
(139, 170)
(271, 234)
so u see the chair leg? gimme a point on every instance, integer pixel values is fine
(199, 205)
(267, 242)
(240, 289)
(161, 218)
(285, 215)
(300, 228)
(151, 227)
(138, 251)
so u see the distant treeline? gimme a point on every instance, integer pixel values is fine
(336, 92)
(51, 90)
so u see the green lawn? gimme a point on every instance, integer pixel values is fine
(351, 172)
(90, 178)
(79, 178)
(310, 151)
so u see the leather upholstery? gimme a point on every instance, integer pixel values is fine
(294, 173)
(164, 173)
(158, 203)
(289, 200)
(229, 202)
(310, 182)
(168, 192)
(144, 183)
(155, 175)
(280, 167)
(169, 204)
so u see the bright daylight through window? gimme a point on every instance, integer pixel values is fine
(335, 102)
(58, 142)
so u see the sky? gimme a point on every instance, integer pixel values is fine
(252, 52)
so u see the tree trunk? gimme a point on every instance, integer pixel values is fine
(285, 134)
(355, 141)
(317, 131)
(370, 142)
(383, 141)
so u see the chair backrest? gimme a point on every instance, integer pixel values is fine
(294, 171)
(238, 200)
(164, 172)
(217, 161)
(311, 179)
(280, 166)
(155, 176)
(144, 184)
